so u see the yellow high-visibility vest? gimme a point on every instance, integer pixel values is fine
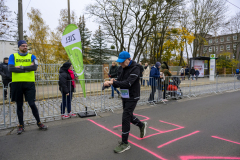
(23, 61)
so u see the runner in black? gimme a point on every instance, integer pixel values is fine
(128, 82)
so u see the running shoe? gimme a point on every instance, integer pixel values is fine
(65, 116)
(143, 130)
(122, 147)
(42, 126)
(20, 129)
(72, 115)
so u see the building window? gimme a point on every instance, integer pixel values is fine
(216, 48)
(235, 46)
(216, 40)
(228, 38)
(227, 57)
(210, 49)
(228, 47)
(222, 39)
(210, 41)
(235, 37)
(205, 49)
(221, 48)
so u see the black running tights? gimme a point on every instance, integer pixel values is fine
(20, 111)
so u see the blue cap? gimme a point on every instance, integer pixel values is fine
(123, 56)
(21, 42)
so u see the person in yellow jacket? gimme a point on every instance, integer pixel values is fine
(22, 65)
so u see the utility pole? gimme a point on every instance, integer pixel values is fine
(69, 21)
(20, 20)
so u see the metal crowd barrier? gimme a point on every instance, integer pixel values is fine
(49, 97)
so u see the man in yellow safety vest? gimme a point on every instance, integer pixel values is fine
(22, 65)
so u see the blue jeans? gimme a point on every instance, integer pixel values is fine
(114, 89)
(66, 101)
(144, 82)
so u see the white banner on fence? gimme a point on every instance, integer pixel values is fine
(199, 64)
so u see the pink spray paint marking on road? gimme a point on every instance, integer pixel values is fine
(189, 157)
(146, 118)
(137, 145)
(174, 140)
(207, 157)
(225, 140)
(159, 131)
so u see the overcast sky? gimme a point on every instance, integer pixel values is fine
(50, 10)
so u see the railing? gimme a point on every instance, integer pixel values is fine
(49, 97)
(50, 72)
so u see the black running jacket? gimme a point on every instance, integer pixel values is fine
(128, 78)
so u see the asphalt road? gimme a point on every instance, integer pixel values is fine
(201, 128)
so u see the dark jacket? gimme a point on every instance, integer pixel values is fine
(197, 73)
(141, 70)
(154, 76)
(113, 72)
(186, 70)
(128, 78)
(166, 73)
(192, 71)
(4, 71)
(65, 81)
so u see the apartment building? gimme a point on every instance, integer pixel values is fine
(220, 44)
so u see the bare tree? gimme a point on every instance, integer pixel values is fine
(7, 25)
(63, 20)
(233, 27)
(130, 23)
(207, 16)
(166, 19)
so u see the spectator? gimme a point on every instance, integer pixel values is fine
(196, 73)
(153, 79)
(237, 71)
(66, 86)
(141, 73)
(187, 72)
(160, 86)
(167, 75)
(182, 72)
(192, 72)
(6, 76)
(113, 72)
(146, 73)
